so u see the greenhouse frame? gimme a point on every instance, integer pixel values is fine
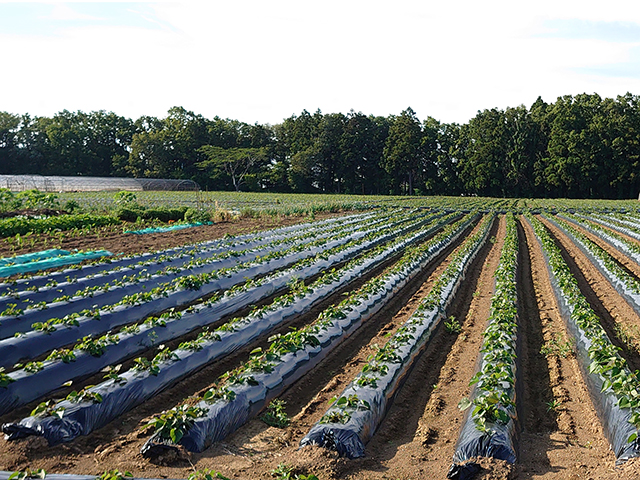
(19, 183)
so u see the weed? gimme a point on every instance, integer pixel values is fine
(557, 347)
(452, 325)
(553, 405)
(275, 414)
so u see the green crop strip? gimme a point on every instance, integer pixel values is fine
(608, 261)
(494, 400)
(378, 364)
(605, 359)
(264, 361)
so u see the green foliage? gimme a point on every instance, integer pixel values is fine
(114, 475)
(174, 423)
(4, 378)
(557, 347)
(206, 474)
(276, 415)
(47, 409)
(10, 227)
(452, 325)
(28, 474)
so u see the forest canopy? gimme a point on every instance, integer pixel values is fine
(581, 146)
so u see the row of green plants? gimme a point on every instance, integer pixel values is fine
(611, 222)
(355, 414)
(138, 332)
(106, 267)
(606, 365)
(493, 408)
(143, 274)
(146, 294)
(192, 286)
(605, 233)
(270, 360)
(610, 267)
(9, 227)
(97, 346)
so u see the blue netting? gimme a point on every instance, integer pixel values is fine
(53, 262)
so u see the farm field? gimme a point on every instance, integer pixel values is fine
(400, 333)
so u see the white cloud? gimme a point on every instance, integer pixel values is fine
(263, 61)
(62, 11)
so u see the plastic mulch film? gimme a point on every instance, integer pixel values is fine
(614, 419)
(500, 439)
(32, 257)
(241, 242)
(615, 242)
(224, 417)
(137, 386)
(62, 476)
(30, 386)
(631, 296)
(172, 228)
(349, 438)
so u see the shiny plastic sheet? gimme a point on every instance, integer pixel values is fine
(349, 439)
(615, 420)
(225, 417)
(82, 419)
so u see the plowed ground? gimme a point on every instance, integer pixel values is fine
(561, 436)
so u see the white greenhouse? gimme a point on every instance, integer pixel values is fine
(18, 183)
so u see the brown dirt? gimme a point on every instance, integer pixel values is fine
(112, 238)
(613, 311)
(417, 438)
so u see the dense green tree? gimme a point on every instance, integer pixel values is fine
(403, 152)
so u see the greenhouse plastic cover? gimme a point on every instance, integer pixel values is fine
(53, 262)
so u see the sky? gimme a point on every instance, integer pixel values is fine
(265, 60)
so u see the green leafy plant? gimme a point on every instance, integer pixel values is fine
(27, 474)
(84, 395)
(174, 423)
(206, 474)
(114, 475)
(47, 409)
(452, 325)
(276, 416)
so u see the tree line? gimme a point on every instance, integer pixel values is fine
(581, 146)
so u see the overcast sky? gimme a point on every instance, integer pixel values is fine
(264, 60)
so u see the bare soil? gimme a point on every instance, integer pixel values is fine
(561, 436)
(113, 239)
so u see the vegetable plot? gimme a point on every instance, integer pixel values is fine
(355, 415)
(91, 355)
(490, 426)
(244, 392)
(612, 386)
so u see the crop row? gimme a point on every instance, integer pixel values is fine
(612, 386)
(489, 428)
(146, 378)
(91, 355)
(62, 299)
(358, 410)
(240, 394)
(104, 268)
